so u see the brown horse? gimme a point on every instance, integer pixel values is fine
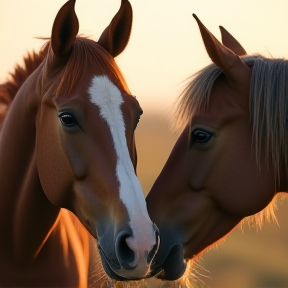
(67, 144)
(231, 158)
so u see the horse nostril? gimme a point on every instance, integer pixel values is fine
(125, 255)
(154, 250)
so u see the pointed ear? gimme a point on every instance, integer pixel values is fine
(116, 36)
(232, 66)
(65, 29)
(230, 42)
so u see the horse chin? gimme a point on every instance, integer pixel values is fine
(109, 271)
(173, 267)
(110, 267)
(169, 263)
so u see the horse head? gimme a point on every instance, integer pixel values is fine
(89, 132)
(225, 165)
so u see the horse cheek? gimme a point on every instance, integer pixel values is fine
(54, 169)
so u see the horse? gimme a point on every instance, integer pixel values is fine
(68, 165)
(230, 160)
(8, 90)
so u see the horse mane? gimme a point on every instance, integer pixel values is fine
(85, 53)
(16, 78)
(268, 112)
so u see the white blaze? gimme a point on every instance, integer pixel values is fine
(108, 98)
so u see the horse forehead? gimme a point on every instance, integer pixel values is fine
(96, 89)
(97, 94)
(103, 93)
(225, 101)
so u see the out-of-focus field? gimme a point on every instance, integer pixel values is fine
(154, 141)
(247, 259)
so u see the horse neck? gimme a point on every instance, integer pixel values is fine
(22, 199)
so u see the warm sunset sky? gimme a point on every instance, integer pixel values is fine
(165, 45)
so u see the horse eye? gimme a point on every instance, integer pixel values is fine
(67, 119)
(200, 136)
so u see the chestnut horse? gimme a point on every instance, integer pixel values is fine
(67, 145)
(231, 158)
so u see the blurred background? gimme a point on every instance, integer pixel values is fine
(164, 49)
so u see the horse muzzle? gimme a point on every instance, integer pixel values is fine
(169, 263)
(128, 260)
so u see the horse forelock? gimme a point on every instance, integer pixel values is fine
(85, 53)
(268, 113)
(196, 94)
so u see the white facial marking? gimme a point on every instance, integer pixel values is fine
(108, 98)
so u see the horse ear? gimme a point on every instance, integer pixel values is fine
(229, 41)
(116, 36)
(232, 66)
(65, 29)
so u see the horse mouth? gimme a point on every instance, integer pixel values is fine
(113, 266)
(172, 268)
(110, 266)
